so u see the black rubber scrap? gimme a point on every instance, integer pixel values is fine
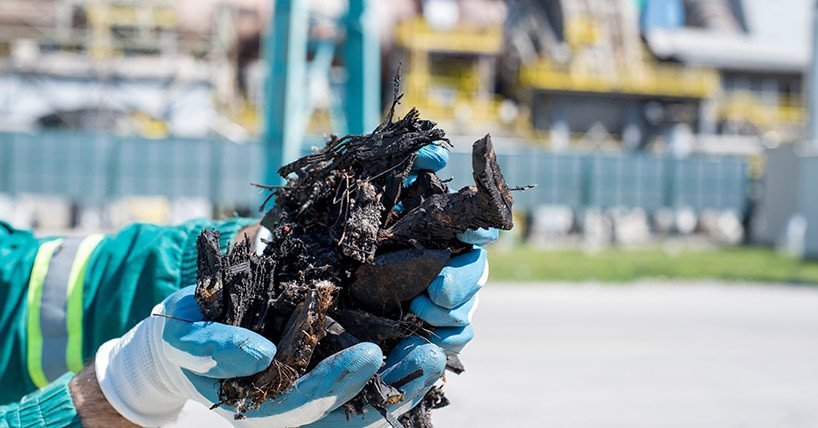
(395, 277)
(351, 245)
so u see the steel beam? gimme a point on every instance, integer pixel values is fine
(812, 83)
(285, 51)
(363, 61)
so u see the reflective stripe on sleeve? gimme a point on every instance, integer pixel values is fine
(73, 351)
(35, 291)
(55, 308)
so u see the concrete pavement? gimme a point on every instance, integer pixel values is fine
(639, 355)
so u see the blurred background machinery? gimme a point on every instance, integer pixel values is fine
(547, 71)
(637, 118)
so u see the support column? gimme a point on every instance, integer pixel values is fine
(363, 61)
(285, 51)
(812, 83)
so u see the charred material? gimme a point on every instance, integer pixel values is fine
(421, 415)
(233, 288)
(438, 219)
(395, 277)
(351, 246)
(301, 335)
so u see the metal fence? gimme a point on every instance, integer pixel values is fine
(608, 180)
(90, 168)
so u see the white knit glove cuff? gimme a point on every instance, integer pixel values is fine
(136, 380)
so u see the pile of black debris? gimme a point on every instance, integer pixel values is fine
(351, 245)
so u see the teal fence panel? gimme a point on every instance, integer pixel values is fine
(72, 165)
(173, 168)
(93, 167)
(558, 176)
(241, 165)
(710, 183)
(619, 180)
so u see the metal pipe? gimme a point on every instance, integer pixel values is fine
(812, 83)
(363, 61)
(285, 52)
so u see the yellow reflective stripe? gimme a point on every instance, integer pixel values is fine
(73, 315)
(35, 292)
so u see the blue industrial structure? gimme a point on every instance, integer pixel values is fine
(287, 89)
(286, 53)
(363, 61)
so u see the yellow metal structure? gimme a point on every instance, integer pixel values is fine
(142, 13)
(602, 63)
(104, 16)
(582, 30)
(749, 107)
(646, 78)
(416, 34)
(445, 88)
(443, 77)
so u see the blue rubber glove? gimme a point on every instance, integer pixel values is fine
(411, 355)
(451, 298)
(431, 158)
(148, 374)
(448, 304)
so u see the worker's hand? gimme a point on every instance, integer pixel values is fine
(448, 304)
(148, 374)
(432, 158)
(452, 298)
(411, 355)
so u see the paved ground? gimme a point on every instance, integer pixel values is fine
(706, 355)
(638, 356)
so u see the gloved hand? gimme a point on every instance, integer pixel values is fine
(413, 354)
(448, 304)
(451, 298)
(149, 373)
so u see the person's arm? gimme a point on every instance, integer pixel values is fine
(51, 406)
(70, 401)
(138, 267)
(93, 408)
(126, 275)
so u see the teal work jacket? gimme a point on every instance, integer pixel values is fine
(61, 298)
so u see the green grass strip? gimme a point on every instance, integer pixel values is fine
(752, 264)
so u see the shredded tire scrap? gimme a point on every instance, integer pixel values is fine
(351, 246)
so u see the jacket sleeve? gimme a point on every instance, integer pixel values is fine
(132, 271)
(18, 249)
(127, 273)
(50, 406)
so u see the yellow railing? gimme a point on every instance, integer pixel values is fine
(582, 30)
(416, 34)
(162, 16)
(103, 16)
(744, 105)
(447, 110)
(644, 79)
(464, 108)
